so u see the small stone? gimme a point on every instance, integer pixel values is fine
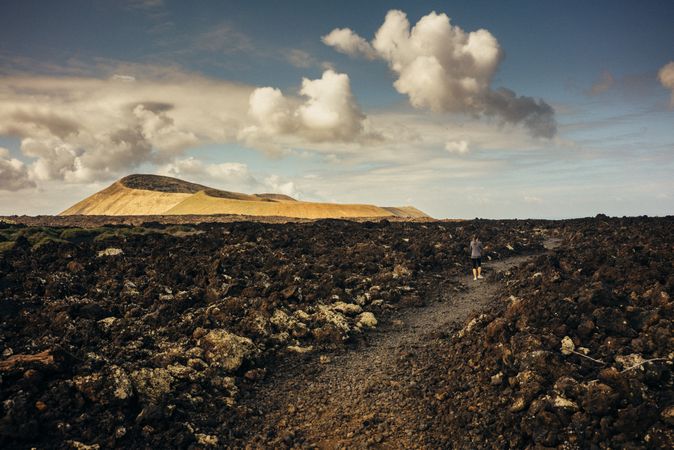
(74, 267)
(301, 315)
(151, 384)
(350, 309)
(667, 415)
(518, 405)
(206, 439)
(400, 271)
(290, 291)
(254, 374)
(80, 446)
(226, 350)
(180, 372)
(40, 406)
(298, 349)
(632, 360)
(564, 403)
(120, 432)
(468, 328)
(89, 385)
(324, 359)
(110, 252)
(567, 346)
(327, 315)
(497, 379)
(367, 319)
(123, 388)
(106, 324)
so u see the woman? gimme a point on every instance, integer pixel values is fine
(476, 257)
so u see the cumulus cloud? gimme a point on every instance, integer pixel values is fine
(81, 129)
(13, 173)
(344, 40)
(232, 175)
(536, 115)
(442, 68)
(229, 175)
(278, 185)
(84, 129)
(666, 77)
(329, 111)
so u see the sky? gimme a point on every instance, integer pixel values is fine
(463, 109)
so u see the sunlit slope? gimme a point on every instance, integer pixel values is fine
(157, 195)
(201, 203)
(119, 200)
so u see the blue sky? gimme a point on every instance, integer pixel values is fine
(213, 92)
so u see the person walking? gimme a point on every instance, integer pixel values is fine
(476, 257)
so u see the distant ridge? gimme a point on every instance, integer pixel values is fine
(140, 194)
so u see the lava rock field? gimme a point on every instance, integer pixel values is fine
(577, 352)
(147, 336)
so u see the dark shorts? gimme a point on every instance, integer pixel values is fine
(477, 262)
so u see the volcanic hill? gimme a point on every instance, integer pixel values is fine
(137, 195)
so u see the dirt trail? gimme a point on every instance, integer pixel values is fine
(369, 396)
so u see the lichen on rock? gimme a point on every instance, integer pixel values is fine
(226, 350)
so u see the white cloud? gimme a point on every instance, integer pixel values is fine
(278, 185)
(331, 111)
(13, 173)
(344, 40)
(328, 114)
(458, 147)
(231, 176)
(158, 127)
(84, 129)
(271, 110)
(80, 129)
(666, 77)
(442, 68)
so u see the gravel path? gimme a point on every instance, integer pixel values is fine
(368, 397)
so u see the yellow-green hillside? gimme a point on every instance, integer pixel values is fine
(156, 195)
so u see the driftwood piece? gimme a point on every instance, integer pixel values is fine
(45, 358)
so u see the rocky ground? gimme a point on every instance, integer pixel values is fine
(335, 333)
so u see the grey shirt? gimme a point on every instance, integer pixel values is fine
(475, 249)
